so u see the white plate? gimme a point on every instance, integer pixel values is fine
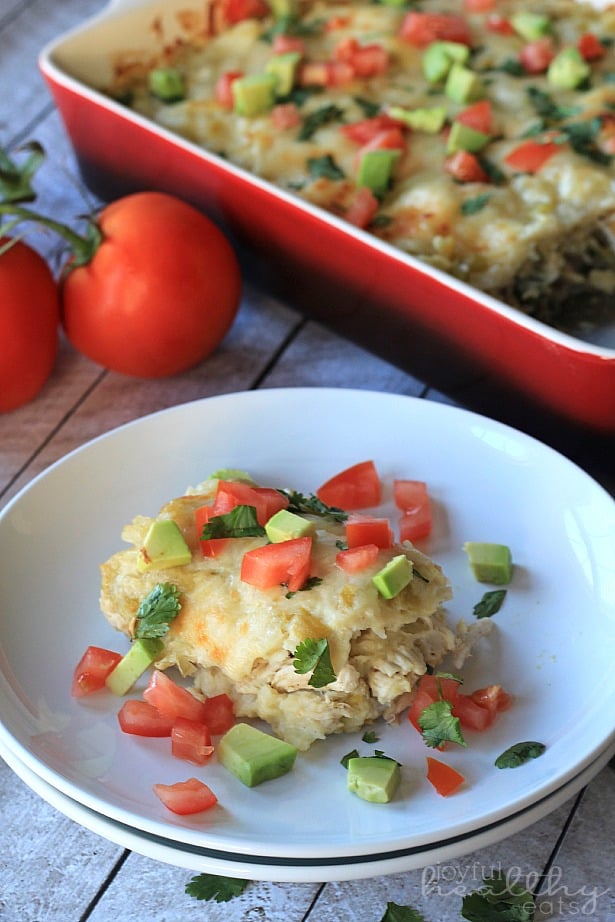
(553, 646)
(213, 862)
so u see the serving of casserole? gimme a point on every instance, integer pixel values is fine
(436, 180)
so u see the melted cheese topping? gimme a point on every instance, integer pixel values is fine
(232, 637)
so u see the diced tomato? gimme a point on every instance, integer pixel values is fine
(186, 797)
(210, 547)
(364, 205)
(286, 563)
(387, 139)
(471, 715)
(606, 138)
(530, 156)
(446, 780)
(142, 719)
(430, 689)
(537, 55)
(359, 558)
(285, 115)
(362, 530)
(219, 714)
(367, 129)
(336, 22)
(171, 700)
(365, 60)
(422, 29)
(499, 24)
(282, 44)
(265, 500)
(325, 73)
(191, 741)
(234, 11)
(465, 167)
(493, 698)
(407, 494)
(356, 487)
(590, 47)
(479, 6)
(415, 523)
(92, 670)
(223, 90)
(478, 116)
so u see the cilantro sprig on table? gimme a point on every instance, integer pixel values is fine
(500, 900)
(156, 611)
(214, 887)
(314, 656)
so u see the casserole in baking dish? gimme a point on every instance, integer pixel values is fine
(419, 214)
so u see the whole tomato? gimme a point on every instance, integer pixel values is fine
(160, 291)
(29, 323)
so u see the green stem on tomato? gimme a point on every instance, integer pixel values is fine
(82, 248)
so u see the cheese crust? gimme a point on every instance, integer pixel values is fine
(540, 240)
(230, 637)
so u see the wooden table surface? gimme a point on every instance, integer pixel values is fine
(50, 867)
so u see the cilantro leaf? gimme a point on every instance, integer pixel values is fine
(370, 736)
(490, 603)
(519, 754)
(240, 522)
(438, 725)
(157, 609)
(324, 166)
(474, 205)
(353, 754)
(396, 913)
(311, 505)
(318, 118)
(314, 656)
(310, 582)
(499, 901)
(213, 887)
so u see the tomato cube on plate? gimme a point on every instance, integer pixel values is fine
(92, 670)
(186, 797)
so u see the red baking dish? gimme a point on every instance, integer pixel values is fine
(437, 328)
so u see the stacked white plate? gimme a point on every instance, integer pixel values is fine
(551, 647)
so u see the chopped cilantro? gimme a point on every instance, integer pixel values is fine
(370, 736)
(353, 754)
(157, 609)
(310, 582)
(439, 726)
(314, 656)
(318, 118)
(519, 754)
(396, 913)
(325, 166)
(369, 107)
(511, 66)
(582, 136)
(490, 603)
(311, 505)
(474, 205)
(240, 522)
(546, 108)
(379, 754)
(213, 887)
(499, 901)
(495, 174)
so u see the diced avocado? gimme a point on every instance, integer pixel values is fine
(463, 85)
(393, 577)
(490, 563)
(164, 546)
(231, 473)
(429, 120)
(462, 137)
(254, 756)
(284, 69)
(373, 778)
(530, 26)
(167, 84)
(375, 169)
(133, 664)
(439, 57)
(568, 69)
(254, 94)
(285, 525)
